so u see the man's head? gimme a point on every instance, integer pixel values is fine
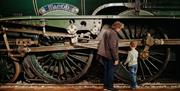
(118, 26)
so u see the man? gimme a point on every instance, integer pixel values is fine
(108, 51)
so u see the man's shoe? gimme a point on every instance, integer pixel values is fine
(105, 89)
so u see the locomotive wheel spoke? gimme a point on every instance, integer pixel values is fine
(45, 62)
(64, 69)
(78, 59)
(147, 68)
(153, 58)
(142, 70)
(54, 68)
(63, 66)
(73, 63)
(9, 70)
(157, 53)
(69, 66)
(59, 70)
(151, 63)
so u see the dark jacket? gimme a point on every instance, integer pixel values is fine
(108, 46)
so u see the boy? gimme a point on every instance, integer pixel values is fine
(132, 63)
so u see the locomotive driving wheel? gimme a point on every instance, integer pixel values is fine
(151, 62)
(9, 70)
(61, 67)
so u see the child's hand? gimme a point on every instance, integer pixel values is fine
(121, 63)
(116, 62)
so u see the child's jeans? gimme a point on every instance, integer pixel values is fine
(133, 71)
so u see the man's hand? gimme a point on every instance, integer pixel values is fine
(116, 62)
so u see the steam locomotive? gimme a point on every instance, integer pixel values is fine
(55, 41)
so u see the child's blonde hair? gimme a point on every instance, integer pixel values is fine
(133, 44)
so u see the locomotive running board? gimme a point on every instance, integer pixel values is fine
(56, 17)
(94, 45)
(126, 42)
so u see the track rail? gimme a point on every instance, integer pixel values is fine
(90, 85)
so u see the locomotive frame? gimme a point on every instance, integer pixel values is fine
(63, 54)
